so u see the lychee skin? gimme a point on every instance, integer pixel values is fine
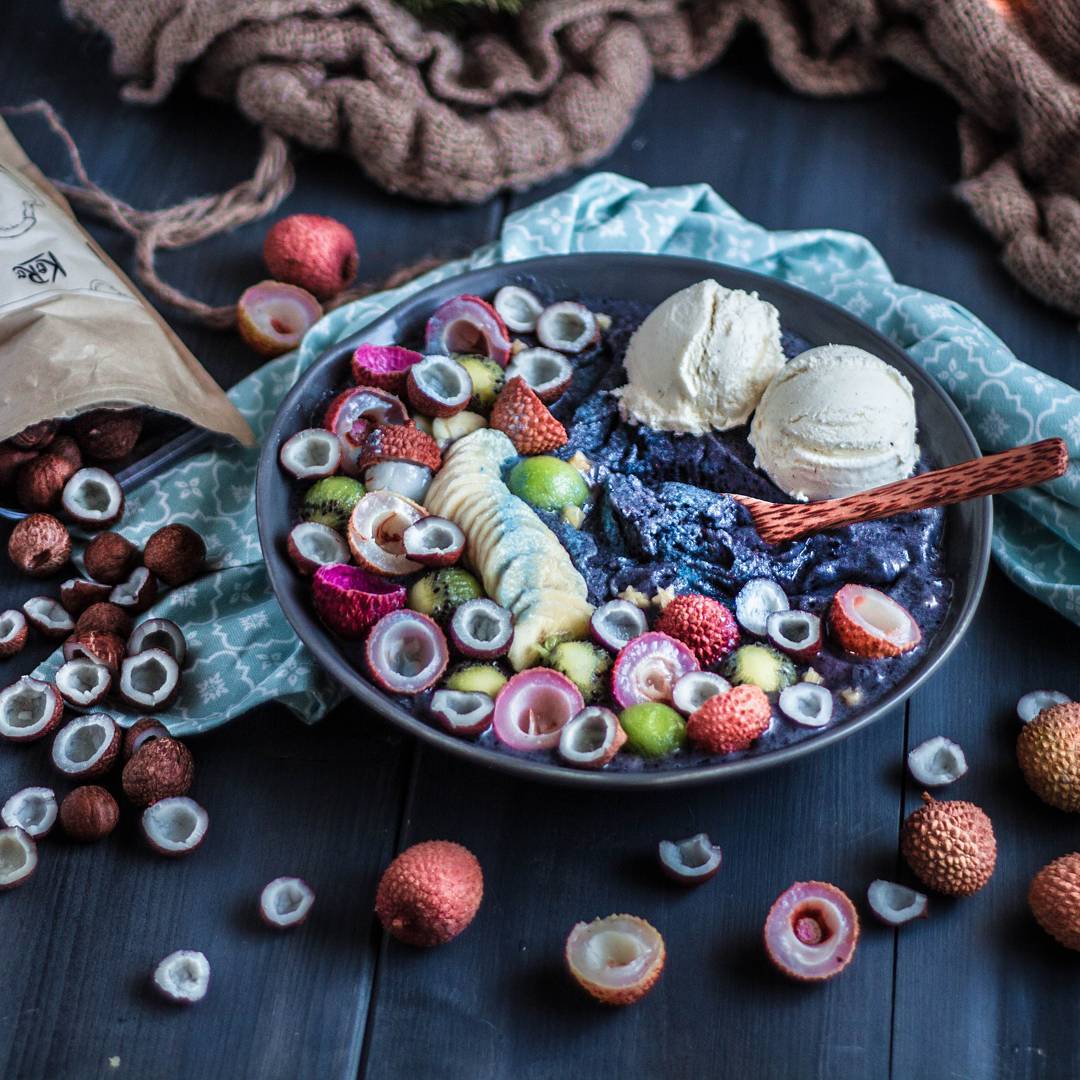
(1054, 899)
(950, 846)
(430, 893)
(704, 624)
(730, 721)
(315, 252)
(1048, 751)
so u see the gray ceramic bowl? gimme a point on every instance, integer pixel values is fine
(647, 279)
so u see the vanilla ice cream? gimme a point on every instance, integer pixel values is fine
(701, 360)
(835, 420)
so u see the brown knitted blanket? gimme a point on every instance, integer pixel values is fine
(449, 118)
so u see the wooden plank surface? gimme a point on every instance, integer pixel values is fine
(334, 801)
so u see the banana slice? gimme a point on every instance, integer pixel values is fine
(560, 615)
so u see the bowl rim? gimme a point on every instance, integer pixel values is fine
(332, 659)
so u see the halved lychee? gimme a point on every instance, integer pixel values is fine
(547, 372)
(384, 366)
(349, 600)
(797, 633)
(376, 528)
(13, 632)
(83, 683)
(616, 623)
(695, 688)
(174, 826)
(690, 861)
(285, 902)
(567, 326)
(273, 317)
(470, 326)
(311, 454)
(937, 762)
(1033, 703)
(592, 738)
(649, 667)
(150, 680)
(811, 931)
(158, 634)
(616, 959)
(29, 709)
(311, 545)
(18, 857)
(86, 746)
(896, 904)
(402, 477)
(93, 499)
(481, 629)
(519, 308)
(533, 707)
(183, 977)
(48, 616)
(354, 413)
(462, 712)
(137, 593)
(77, 594)
(756, 601)
(869, 623)
(34, 810)
(433, 541)
(406, 652)
(808, 704)
(438, 386)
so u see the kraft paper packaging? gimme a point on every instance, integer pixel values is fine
(75, 333)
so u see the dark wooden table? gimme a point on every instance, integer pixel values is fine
(976, 992)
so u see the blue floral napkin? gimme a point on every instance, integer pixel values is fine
(244, 652)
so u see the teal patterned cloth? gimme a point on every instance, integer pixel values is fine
(244, 652)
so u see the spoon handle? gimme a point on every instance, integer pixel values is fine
(1021, 466)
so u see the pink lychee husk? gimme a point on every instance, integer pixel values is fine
(811, 931)
(316, 253)
(384, 366)
(430, 893)
(350, 600)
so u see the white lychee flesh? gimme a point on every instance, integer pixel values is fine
(462, 712)
(183, 976)
(18, 857)
(83, 683)
(149, 679)
(311, 454)
(82, 745)
(567, 326)
(519, 308)
(1033, 703)
(129, 594)
(592, 738)
(808, 704)
(159, 634)
(895, 904)
(93, 498)
(175, 826)
(49, 616)
(403, 477)
(27, 709)
(442, 380)
(695, 688)
(612, 957)
(285, 902)
(12, 624)
(33, 810)
(546, 371)
(937, 762)
(376, 527)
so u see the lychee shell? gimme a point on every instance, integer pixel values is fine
(950, 846)
(1054, 898)
(430, 893)
(1048, 750)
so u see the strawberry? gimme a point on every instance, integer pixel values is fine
(704, 624)
(730, 721)
(519, 414)
(868, 623)
(397, 442)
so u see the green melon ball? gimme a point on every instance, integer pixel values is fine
(548, 483)
(653, 729)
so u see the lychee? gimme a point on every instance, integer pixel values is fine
(316, 253)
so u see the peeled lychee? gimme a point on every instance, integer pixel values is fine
(430, 893)
(314, 252)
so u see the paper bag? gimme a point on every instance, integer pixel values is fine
(75, 333)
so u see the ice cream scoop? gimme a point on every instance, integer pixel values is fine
(701, 360)
(835, 420)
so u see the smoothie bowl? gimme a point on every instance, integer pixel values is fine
(502, 516)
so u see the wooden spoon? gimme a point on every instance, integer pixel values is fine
(1020, 467)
